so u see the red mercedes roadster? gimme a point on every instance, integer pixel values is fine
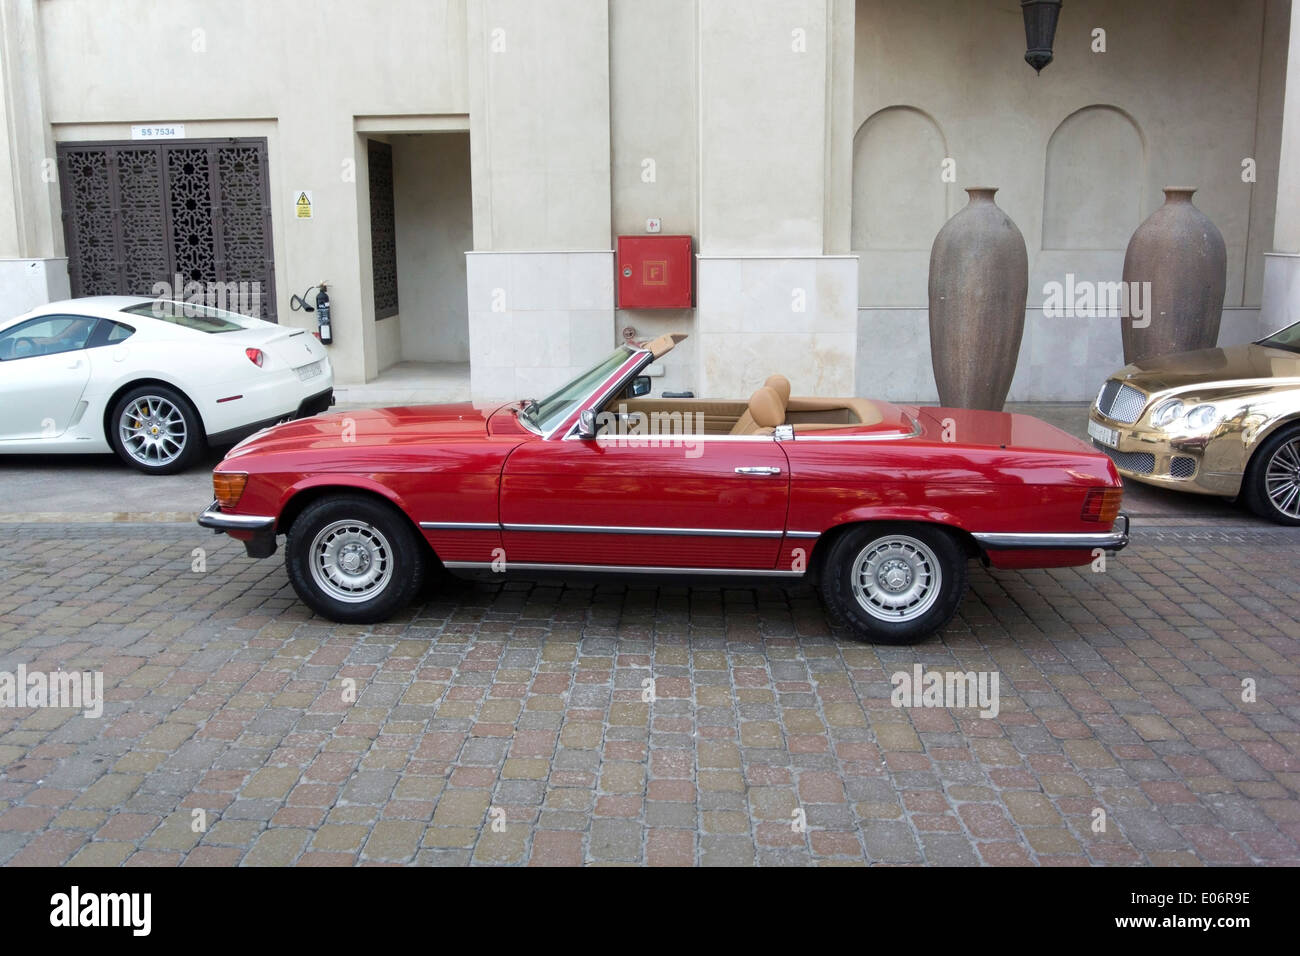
(881, 505)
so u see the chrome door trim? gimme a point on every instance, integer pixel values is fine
(460, 525)
(615, 529)
(622, 569)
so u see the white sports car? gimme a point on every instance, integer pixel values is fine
(151, 380)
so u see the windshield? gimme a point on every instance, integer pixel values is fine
(547, 414)
(1288, 338)
(193, 315)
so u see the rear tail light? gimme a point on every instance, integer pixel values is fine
(228, 487)
(1102, 505)
(255, 356)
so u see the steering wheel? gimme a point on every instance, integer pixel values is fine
(23, 347)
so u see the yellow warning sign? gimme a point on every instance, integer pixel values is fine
(302, 204)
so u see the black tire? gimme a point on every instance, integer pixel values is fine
(911, 552)
(330, 533)
(147, 444)
(1279, 453)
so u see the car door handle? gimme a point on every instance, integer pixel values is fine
(757, 470)
(76, 364)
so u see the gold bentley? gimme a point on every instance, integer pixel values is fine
(1222, 421)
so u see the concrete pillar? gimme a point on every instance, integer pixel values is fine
(775, 92)
(1280, 304)
(33, 270)
(541, 276)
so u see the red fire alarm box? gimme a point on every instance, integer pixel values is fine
(654, 272)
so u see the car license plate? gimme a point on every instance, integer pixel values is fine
(1107, 436)
(309, 371)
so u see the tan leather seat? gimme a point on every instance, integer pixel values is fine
(782, 386)
(766, 410)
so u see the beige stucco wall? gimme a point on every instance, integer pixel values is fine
(1186, 90)
(297, 71)
(779, 129)
(1184, 79)
(539, 95)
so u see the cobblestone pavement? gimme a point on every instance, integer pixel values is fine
(522, 704)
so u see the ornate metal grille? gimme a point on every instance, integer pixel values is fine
(137, 214)
(1120, 402)
(383, 228)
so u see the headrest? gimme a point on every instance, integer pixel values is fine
(766, 407)
(782, 386)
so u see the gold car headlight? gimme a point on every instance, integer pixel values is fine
(1166, 413)
(1203, 416)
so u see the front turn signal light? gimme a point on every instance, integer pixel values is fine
(227, 487)
(1102, 505)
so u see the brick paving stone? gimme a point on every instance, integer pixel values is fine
(1119, 691)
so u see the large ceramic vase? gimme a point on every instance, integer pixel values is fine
(979, 281)
(1180, 252)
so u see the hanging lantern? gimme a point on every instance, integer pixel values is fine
(1040, 29)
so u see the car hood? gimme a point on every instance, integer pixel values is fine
(372, 426)
(1234, 364)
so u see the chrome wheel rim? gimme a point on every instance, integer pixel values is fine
(1282, 479)
(896, 578)
(351, 561)
(152, 430)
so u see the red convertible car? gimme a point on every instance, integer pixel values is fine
(881, 505)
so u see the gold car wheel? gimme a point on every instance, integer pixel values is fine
(1282, 478)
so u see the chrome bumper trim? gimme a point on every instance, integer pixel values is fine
(1112, 540)
(212, 517)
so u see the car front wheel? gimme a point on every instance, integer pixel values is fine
(1272, 485)
(894, 584)
(155, 429)
(353, 559)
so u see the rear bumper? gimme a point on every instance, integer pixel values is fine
(311, 405)
(1113, 540)
(256, 531)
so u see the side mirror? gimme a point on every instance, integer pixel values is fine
(640, 386)
(587, 424)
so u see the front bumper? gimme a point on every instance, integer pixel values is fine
(1115, 539)
(257, 532)
(1204, 464)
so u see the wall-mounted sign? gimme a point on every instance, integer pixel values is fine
(302, 204)
(164, 131)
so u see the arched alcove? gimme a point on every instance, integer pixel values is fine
(1096, 164)
(899, 198)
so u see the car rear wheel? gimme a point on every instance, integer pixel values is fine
(155, 429)
(1272, 484)
(353, 559)
(894, 584)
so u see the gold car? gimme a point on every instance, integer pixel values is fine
(1214, 421)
